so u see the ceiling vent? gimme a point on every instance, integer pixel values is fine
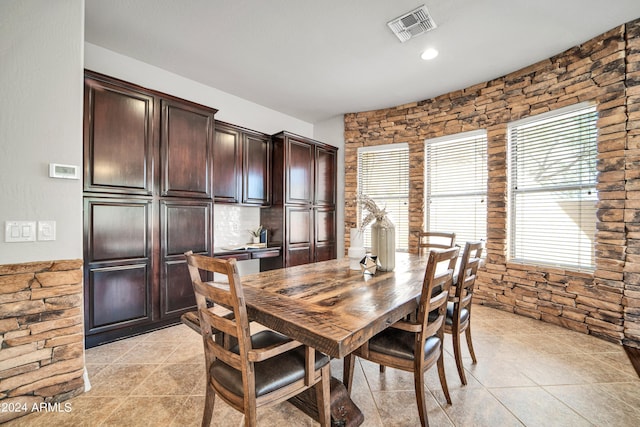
(412, 24)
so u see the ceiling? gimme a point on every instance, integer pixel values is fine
(315, 59)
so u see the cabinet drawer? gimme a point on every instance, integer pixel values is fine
(266, 254)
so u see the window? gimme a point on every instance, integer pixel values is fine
(553, 187)
(383, 175)
(456, 185)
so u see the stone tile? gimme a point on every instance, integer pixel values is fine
(533, 406)
(119, 380)
(81, 411)
(476, 407)
(188, 352)
(626, 392)
(190, 414)
(149, 352)
(108, 353)
(399, 408)
(145, 411)
(170, 379)
(598, 407)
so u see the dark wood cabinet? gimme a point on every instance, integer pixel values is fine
(227, 164)
(302, 218)
(184, 225)
(118, 119)
(185, 149)
(242, 166)
(148, 160)
(256, 165)
(118, 263)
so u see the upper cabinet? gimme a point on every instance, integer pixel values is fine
(325, 176)
(227, 166)
(141, 142)
(186, 143)
(242, 166)
(118, 119)
(299, 171)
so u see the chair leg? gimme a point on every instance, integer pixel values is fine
(443, 378)
(455, 335)
(418, 379)
(469, 343)
(323, 397)
(210, 397)
(347, 371)
(383, 368)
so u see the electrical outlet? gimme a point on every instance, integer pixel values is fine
(46, 230)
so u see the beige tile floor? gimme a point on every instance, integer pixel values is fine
(528, 373)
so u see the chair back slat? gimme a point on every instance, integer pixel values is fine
(428, 240)
(228, 294)
(468, 272)
(435, 290)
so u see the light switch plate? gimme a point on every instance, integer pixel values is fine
(46, 230)
(19, 231)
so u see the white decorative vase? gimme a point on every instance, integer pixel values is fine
(356, 249)
(383, 243)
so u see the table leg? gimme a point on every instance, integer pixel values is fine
(344, 413)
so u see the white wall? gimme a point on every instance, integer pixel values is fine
(41, 57)
(230, 108)
(331, 131)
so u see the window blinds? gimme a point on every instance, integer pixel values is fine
(456, 185)
(553, 188)
(383, 175)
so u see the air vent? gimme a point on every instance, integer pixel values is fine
(412, 24)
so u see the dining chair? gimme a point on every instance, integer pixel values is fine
(428, 240)
(260, 369)
(415, 344)
(458, 318)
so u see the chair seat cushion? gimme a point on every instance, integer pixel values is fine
(398, 343)
(271, 374)
(464, 314)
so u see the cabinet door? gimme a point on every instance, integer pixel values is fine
(325, 177)
(186, 144)
(299, 241)
(325, 234)
(256, 174)
(185, 226)
(300, 159)
(118, 273)
(227, 166)
(118, 139)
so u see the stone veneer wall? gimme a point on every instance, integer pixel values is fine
(41, 335)
(604, 70)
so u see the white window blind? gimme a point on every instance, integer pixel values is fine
(553, 188)
(383, 175)
(456, 185)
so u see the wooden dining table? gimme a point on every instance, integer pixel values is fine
(333, 309)
(327, 306)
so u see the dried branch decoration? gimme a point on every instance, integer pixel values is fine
(370, 206)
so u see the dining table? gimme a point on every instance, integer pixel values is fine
(334, 309)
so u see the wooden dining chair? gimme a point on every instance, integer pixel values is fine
(415, 345)
(458, 318)
(428, 240)
(260, 369)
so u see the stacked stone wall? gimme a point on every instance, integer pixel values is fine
(604, 71)
(41, 335)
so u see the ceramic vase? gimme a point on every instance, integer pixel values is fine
(383, 243)
(356, 249)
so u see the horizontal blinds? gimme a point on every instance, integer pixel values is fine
(553, 188)
(456, 185)
(383, 175)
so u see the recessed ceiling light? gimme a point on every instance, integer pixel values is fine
(429, 54)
